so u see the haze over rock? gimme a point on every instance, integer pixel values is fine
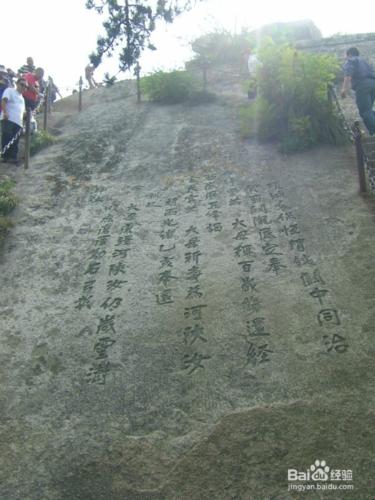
(184, 315)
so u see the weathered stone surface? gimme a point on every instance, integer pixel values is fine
(184, 315)
(303, 29)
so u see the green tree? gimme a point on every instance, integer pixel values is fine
(129, 25)
(222, 46)
(293, 105)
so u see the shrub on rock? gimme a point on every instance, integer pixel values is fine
(168, 88)
(292, 104)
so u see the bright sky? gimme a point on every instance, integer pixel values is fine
(60, 34)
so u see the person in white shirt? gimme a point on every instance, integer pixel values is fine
(252, 63)
(12, 111)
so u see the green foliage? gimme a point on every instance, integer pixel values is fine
(168, 88)
(293, 104)
(41, 140)
(129, 25)
(301, 135)
(259, 119)
(109, 80)
(8, 202)
(249, 86)
(222, 47)
(5, 225)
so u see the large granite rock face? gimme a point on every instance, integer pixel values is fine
(185, 315)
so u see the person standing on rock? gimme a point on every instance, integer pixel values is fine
(35, 85)
(12, 111)
(53, 90)
(28, 67)
(360, 76)
(252, 64)
(89, 74)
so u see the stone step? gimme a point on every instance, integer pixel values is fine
(368, 141)
(368, 146)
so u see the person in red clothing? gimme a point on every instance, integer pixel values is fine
(34, 83)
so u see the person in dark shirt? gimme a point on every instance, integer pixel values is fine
(28, 67)
(360, 76)
(4, 80)
(53, 91)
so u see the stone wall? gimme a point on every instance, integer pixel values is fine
(365, 42)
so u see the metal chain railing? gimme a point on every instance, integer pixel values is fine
(42, 99)
(18, 134)
(365, 159)
(366, 173)
(332, 95)
(11, 142)
(371, 179)
(361, 156)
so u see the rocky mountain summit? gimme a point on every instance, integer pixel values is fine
(184, 314)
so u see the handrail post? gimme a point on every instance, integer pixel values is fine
(27, 137)
(80, 94)
(360, 157)
(333, 100)
(205, 68)
(137, 73)
(45, 110)
(49, 102)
